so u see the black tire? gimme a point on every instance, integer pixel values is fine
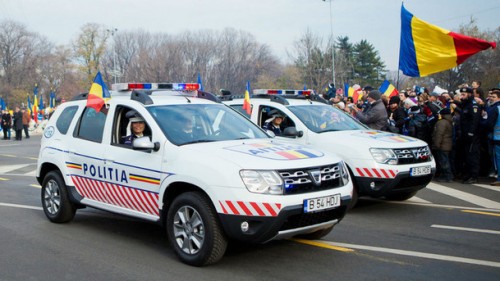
(317, 234)
(55, 201)
(401, 196)
(200, 244)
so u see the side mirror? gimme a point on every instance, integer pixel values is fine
(292, 132)
(271, 133)
(144, 143)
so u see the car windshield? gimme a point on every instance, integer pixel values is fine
(325, 118)
(195, 123)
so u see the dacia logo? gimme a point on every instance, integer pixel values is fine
(421, 153)
(316, 176)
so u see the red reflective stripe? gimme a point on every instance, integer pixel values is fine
(222, 206)
(385, 173)
(368, 172)
(257, 209)
(270, 209)
(393, 174)
(360, 172)
(377, 173)
(233, 209)
(244, 208)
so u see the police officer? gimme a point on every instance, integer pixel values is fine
(274, 123)
(137, 127)
(469, 125)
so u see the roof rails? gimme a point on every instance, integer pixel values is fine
(282, 98)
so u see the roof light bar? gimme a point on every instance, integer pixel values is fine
(283, 92)
(154, 86)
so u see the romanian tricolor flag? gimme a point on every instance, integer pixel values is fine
(388, 89)
(427, 49)
(98, 94)
(35, 104)
(246, 103)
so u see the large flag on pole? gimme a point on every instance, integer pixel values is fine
(35, 103)
(98, 94)
(246, 102)
(426, 49)
(40, 105)
(388, 89)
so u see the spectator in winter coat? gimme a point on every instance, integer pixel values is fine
(375, 116)
(494, 126)
(26, 122)
(442, 142)
(417, 124)
(396, 114)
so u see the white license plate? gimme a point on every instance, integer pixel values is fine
(419, 171)
(321, 203)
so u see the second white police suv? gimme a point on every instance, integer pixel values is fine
(200, 169)
(382, 164)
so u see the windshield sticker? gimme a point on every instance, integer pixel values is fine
(277, 151)
(384, 136)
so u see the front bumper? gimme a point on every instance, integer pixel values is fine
(402, 183)
(290, 221)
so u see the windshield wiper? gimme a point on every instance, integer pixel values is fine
(197, 141)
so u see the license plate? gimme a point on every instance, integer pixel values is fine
(321, 203)
(419, 171)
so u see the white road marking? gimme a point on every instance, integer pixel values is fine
(494, 188)
(8, 168)
(467, 197)
(433, 205)
(415, 254)
(415, 199)
(20, 206)
(466, 229)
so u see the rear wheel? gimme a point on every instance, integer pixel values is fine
(55, 201)
(194, 230)
(401, 196)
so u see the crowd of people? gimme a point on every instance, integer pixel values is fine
(461, 127)
(19, 121)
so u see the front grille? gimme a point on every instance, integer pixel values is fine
(306, 219)
(413, 155)
(312, 179)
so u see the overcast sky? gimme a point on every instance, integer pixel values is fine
(277, 23)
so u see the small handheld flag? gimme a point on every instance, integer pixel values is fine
(246, 103)
(98, 94)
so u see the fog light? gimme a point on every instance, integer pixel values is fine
(245, 226)
(372, 184)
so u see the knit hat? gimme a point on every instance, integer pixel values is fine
(466, 90)
(434, 94)
(394, 99)
(374, 95)
(367, 88)
(414, 110)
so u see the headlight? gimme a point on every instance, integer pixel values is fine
(266, 182)
(384, 156)
(344, 174)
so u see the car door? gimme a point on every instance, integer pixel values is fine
(134, 175)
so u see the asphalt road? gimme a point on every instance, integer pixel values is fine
(447, 232)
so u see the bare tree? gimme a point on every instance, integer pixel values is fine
(89, 49)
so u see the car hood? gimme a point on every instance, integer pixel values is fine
(358, 143)
(262, 154)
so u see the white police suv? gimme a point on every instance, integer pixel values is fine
(200, 169)
(382, 164)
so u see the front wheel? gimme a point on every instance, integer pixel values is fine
(194, 230)
(55, 201)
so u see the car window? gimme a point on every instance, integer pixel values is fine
(122, 127)
(65, 118)
(184, 124)
(324, 118)
(265, 116)
(91, 125)
(239, 108)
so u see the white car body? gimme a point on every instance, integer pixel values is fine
(99, 171)
(349, 139)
